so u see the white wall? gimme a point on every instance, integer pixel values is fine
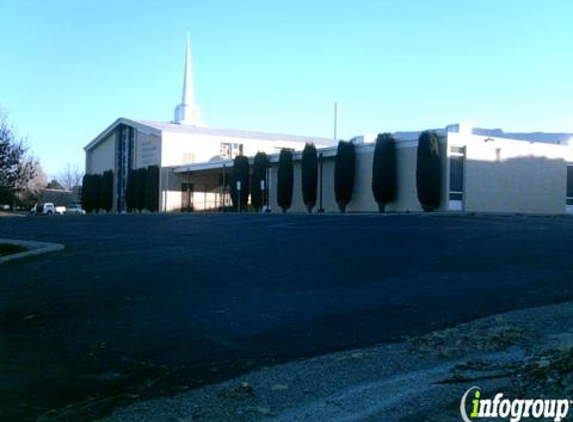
(500, 176)
(102, 157)
(147, 149)
(504, 175)
(181, 148)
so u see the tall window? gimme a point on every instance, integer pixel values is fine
(124, 162)
(457, 155)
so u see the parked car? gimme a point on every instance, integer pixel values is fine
(47, 208)
(75, 209)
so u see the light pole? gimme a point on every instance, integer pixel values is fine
(268, 188)
(263, 190)
(223, 185)
(320, 161)
(238, 196)
(335, 119)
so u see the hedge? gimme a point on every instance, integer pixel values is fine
(107, 191)
(240, 174)
(384, 174)
(91, 195)
(285, 179)
(152, 189)
(429, 171)
(309, 172)
(258, 197)
(344, 172)
(130, 190)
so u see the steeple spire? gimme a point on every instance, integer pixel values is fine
(187, 112)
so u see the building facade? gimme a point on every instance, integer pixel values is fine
(130, 144)
(484, 170)
(481, 173)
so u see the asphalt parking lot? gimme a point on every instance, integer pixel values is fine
(144, 305)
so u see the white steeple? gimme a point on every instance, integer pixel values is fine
(187, 112)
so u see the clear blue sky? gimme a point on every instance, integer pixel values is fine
(70, 68)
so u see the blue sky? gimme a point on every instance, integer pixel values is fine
(70, 68)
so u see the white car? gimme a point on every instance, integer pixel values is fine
(75, 209)
(47, 208)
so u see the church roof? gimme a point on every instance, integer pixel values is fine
(158, 127)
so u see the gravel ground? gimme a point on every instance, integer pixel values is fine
(421, 378)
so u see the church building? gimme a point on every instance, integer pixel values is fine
(132, 143)
(483, 170)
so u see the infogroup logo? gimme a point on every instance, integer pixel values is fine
(514, 409)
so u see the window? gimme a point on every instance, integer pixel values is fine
(229, 150)
(124, 162)
(457, 173)
(570, 184)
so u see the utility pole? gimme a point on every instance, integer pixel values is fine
(335, 119)
(320, 158)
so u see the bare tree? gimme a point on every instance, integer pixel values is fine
(39, 180)
(70, 177)
(33, 191)
(17, 167)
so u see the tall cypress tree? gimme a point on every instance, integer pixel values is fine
(130, 190)
(309, 173)
(152, 189)
(384, 175)
(87, 193)
(97, 182)
(240, 174)
(429, 171)
(285, 179)
(344, 172)
(107, 191)
(140, 179)
(258, 197)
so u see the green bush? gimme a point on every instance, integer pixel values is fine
(309, 173)
(429, 171)
(152, 189)
(344, 172)
(285, 179)
(384, 174)
(97, 184)
(91, 192)
(87, 193)
(130, 202)
(107, 191)
(258, 197)
(240, 174)
(140, 189)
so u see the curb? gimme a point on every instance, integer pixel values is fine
(35, 248)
